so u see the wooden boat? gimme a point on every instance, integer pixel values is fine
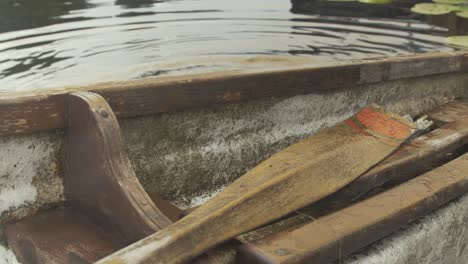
(186, 138)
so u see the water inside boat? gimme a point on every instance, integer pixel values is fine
(54, 43)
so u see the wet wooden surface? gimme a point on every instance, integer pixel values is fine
(298, 175)
(28, 112)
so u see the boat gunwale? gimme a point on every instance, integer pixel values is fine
(35, 111)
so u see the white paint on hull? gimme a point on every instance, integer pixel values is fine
(188, 156)
(17, 174)
(29, 174)
(7, 256)
(200, 199)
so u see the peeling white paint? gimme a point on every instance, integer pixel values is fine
(7, 256)
(200, 199)
(22, 160)
(17, 174)
(18, 193)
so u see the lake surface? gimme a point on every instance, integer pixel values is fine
(50, 43)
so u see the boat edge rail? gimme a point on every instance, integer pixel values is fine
(23, 113)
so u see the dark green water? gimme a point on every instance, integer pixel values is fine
(46, 43)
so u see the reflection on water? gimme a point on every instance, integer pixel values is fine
(136, 3)
(55, 42)
(353, 8)
(17, 15)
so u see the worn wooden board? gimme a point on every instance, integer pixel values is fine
(32, 113)
(449, 113)
(43, 110)
(341, 233)
(98, 176)
(414, 158)
(298, 175)
(60, 236)
(106, 206)
(418, 156)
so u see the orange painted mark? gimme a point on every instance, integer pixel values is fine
(383, 124)
(350, 123)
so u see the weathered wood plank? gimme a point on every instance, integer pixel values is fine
(298, 175)
(415, 158)
(36, 111)
(419, 156)
(32, 113)
(339, 234)
(60, 236)
(449, 113)
(106, 207)
(98, 176)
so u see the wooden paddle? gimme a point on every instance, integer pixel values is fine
(297, 176)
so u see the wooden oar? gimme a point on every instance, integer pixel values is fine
(293, 178)
(338, 234)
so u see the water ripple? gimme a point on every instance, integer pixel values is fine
(53, 43)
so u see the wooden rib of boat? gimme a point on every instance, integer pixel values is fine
(101, 167)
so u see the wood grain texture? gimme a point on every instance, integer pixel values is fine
(451, 112)
(418, 156)
(414, 158)
(98, 175)
(341, 233)
(298, 175)
(60, 236)
(37, 111)
(32, 113)
(106, 207)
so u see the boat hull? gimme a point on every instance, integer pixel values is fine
(188, 154)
